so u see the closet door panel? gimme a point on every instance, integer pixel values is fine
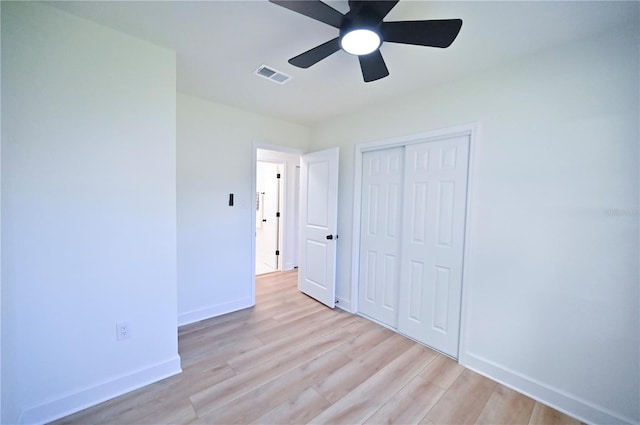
(380, 232)
(434, 208)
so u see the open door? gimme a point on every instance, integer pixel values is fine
(318, 225)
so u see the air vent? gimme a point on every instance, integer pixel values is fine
(272, 74)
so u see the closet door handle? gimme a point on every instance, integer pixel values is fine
(330, 237)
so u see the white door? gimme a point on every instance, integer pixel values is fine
(435, 187)
(267, 226)
(380, 234)
(318, 225)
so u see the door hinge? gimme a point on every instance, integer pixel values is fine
(277, 252)
(278, 175)
(277, 214)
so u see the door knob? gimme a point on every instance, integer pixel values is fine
(330, 237)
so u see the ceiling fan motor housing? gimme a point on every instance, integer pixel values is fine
(360, 20)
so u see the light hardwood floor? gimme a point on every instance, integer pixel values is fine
(291, 360)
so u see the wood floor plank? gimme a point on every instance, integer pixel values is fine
(262, 399)
(358, 405)
(361, 325)
(302, 327)
(299, 409)
(260, 315)
(344, 380)
(219, 351)
(365, 341)
(463, 401)
(160, 412)
(297, 312)
(409, 405)
(443, 371)
(210, 399)
(545, 415)
(259, 355)
(506, 406)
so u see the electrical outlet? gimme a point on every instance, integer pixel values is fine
(123, 330)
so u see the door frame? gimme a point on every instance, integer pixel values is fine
(252, 228)
(472, 130)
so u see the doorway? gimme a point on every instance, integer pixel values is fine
(276, 186)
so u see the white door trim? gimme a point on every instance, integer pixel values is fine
(473, 131)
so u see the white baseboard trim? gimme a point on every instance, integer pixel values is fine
(106, 390)
(571, 405)
(213, 311)
(344, 304)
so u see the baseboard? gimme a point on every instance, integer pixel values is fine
(90, 396)
(213, 311)
(344, 304)
(571, 405)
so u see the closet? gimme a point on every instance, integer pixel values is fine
(412, 225)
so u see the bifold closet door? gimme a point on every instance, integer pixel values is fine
(380, 229)
(433, 221)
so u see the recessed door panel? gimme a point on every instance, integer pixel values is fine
(416, 286)
(419, 212)
(318, 175)
(441, 298)
(446, 195)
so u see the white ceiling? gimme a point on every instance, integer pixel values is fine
(220, 44)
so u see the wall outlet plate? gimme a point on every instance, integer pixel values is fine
(123, 330)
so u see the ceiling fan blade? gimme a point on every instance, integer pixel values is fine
(434, 33)
(315, 55)
(314, 9)
(373, 66)
(379, 8)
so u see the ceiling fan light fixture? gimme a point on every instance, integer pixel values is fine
(360, 41)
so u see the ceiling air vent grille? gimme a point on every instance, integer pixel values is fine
(272, 74)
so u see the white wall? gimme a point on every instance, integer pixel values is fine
(88, 214)
(552, 290)
(215, 241)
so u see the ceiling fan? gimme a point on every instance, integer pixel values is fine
(362, 32)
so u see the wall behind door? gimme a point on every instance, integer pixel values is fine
(215, 241)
